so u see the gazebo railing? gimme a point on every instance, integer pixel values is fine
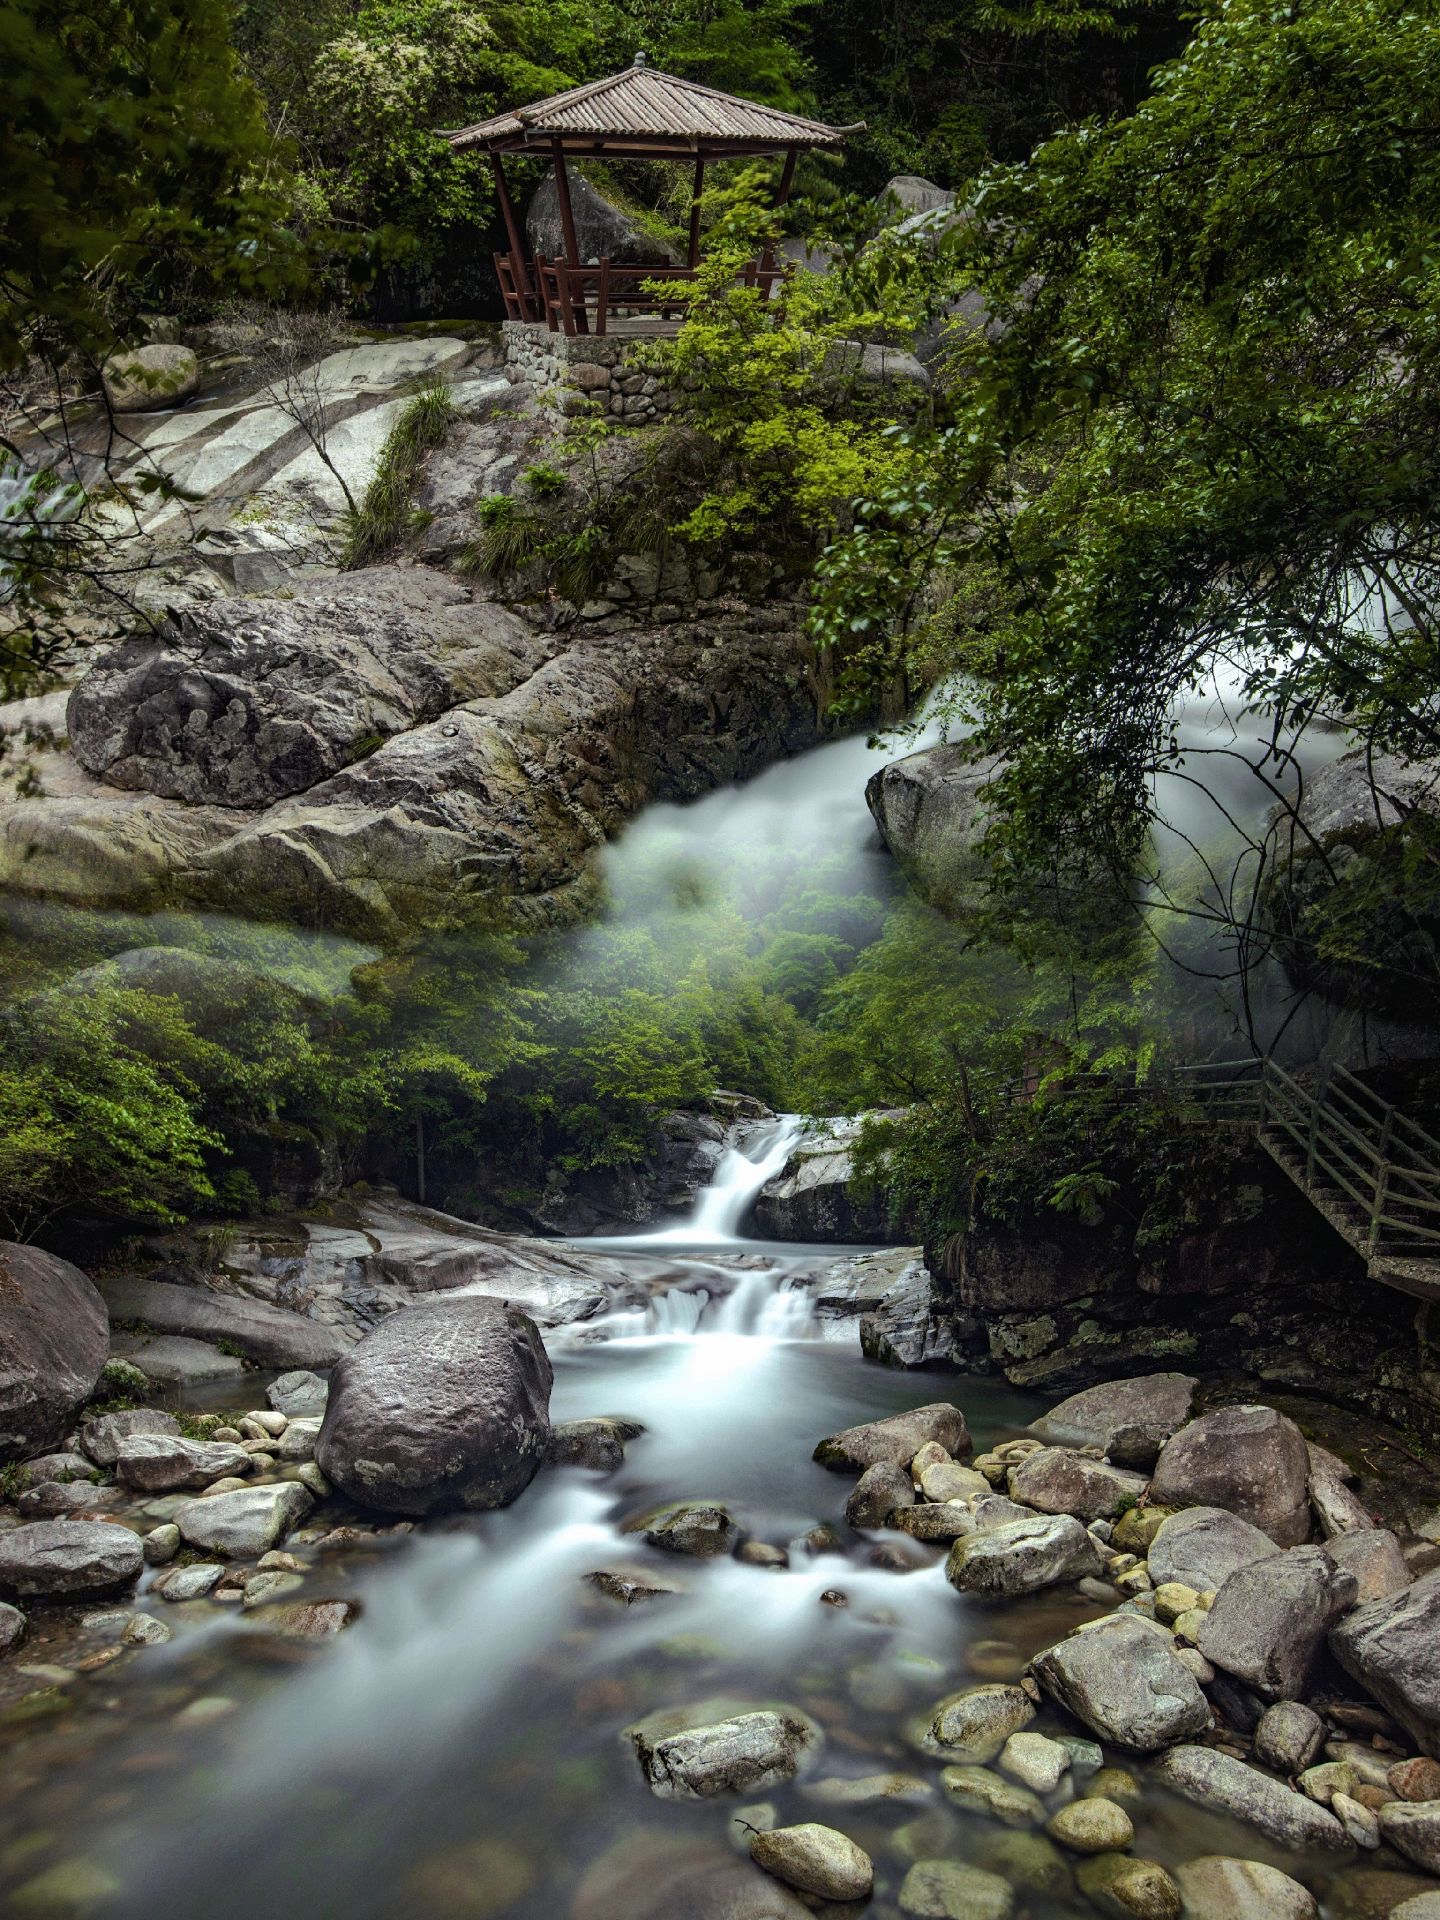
(576, 300)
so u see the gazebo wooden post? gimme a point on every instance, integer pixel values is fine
(692, 257)
(567, 224)
(782, 194)
(512, 233)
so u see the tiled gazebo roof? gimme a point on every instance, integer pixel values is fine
(645, 113)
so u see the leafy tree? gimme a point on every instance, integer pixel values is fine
(134, 159)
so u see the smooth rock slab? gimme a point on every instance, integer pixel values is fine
(738, 1754)
(172, 1360)
(68, 1559)
(1056, 1481)
(1228, 1786)
(1392, 1647)
(1251, 1461)
(247, 1523)
(1217, 1887)
(950, 1890)
(1023, 1557)
(897, 1439)
(815, 1859)
(166, 1462)
(1202, 1547)
(1269, 1621)
(270, 1336)
(1122, 1679)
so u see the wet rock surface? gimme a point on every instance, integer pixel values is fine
(1250, 1461)
(54, 1340)
(68, 1559)
(445, 1404)
(1123, 1681)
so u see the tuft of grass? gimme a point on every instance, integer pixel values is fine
(385, 515)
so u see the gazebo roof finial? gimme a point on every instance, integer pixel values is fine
(642, 59)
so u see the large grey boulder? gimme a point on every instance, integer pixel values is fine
(270, 1336)
(930, 810)
(1269, 1621)
(68, 1559)
(164, 1462)
(1123, 1680)
(1218, 1887)
(1227, 1785)
(1023, 1557)
(1203, 1546)
(1248, 1460)
(54, 1339)
(1136, 1416)
(240, 702)
(602, 230)
(244, 1524)
(1054, 1480)
(445, 1404)
(1392, 1647)
(685, 1754)
(897, 1439)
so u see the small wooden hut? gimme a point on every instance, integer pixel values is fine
(637, 114)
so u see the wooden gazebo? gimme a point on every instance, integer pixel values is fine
(637, 114)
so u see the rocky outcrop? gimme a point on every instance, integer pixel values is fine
(244, 702)
(271, 1336)
(444, 1405)
(601, 228)
(812, 1197)
(930, 810)
(54, 1339)
(908, 1326)
(503, 796)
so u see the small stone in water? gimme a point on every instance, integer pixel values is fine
(1029, 1861)
(870, 1790)
(1216, 1887)
(277, 1562)
(313, 1480)
(974, 1725)
(473, 1881)
(201, 1712)
(1289, 1737)
(1092, 1825)
(1034, 1761)
(1358, 1821)
(815, 1859)
(950, 1890)
(1112, 1783)
(760, 1553)
(832, 1597)
(161, 1545)
(261, 1588)
(145, 1630)
(189, 1583)
(1126, 1889)
(632, 1583)
(978, 1790)
(994, 1660)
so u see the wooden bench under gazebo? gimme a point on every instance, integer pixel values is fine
(637, 114)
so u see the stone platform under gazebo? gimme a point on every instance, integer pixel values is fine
(637, 114)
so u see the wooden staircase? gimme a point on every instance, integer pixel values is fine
(1368, 1168)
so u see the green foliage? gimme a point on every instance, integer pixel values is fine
(386, 514)
(1202, 426)
(134, 163)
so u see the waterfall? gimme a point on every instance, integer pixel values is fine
(720, 1210)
